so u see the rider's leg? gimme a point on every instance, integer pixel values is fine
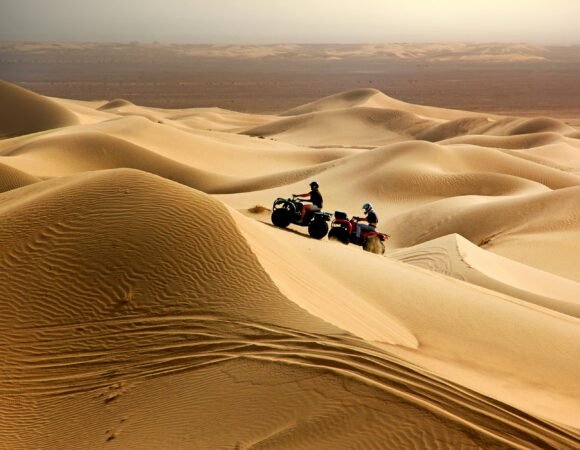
(305, 208)
(363, 227)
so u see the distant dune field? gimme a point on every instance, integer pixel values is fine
(499, 78)
(147, 301)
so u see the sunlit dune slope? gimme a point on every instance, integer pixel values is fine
(455, 256)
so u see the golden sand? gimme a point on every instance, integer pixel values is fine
(147, 302)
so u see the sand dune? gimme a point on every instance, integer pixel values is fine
(11, 178)
(24, 112)
(538, 125)
(373, 98)
(155, 313)
(401, 177)
(149, 303)
(135, 142)
(540, 229)
(445, 316)
(217, 119)
(115, 104)
(455, 256)
(519, 142)
(368, 117)
(74, 153)
(350, 126)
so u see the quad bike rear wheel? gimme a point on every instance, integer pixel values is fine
(373, 244)
(317, 229)
(338, 234)
(281, 217)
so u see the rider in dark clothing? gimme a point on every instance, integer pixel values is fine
(371, 218)
(314, 196)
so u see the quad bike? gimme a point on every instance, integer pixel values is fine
(287, 210)
(343, 230)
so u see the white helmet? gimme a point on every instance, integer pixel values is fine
(367, 207)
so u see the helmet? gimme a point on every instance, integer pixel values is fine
(367, 207)
(314, 185)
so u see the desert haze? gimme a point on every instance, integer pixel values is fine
(148, 302)
(521, 79)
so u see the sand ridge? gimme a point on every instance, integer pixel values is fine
(150, 303)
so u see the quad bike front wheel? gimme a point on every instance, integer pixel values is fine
(374, 245)
(317, 229)
(281, 217)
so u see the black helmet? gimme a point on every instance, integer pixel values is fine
(314, 185)
(367, 207)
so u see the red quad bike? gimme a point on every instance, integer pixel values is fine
(287, 210)
(343, 230)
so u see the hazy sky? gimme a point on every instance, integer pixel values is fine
(272, 21)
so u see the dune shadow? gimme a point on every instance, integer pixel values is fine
(289, 230)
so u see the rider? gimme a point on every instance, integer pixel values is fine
(314, 196)
(371, 218)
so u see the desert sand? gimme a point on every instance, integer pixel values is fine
(147, 301)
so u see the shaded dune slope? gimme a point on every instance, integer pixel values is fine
(11, 178)
(25, 112)
(144, 322)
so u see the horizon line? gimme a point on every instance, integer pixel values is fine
(258, 44)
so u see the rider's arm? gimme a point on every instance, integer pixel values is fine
(303, 195)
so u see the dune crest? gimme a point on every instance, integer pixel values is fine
(148, 301)
(115, 104)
